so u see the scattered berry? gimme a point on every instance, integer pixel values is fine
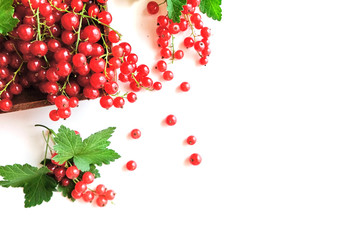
(131, 165)
(191, 140)
(171, 120)
(135, 133)
(195, 159)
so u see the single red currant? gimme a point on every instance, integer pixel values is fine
(152, 7)
(171, 120)
(88, 196)
(131, 97)
(135, 133)
(101, 201)
(80, 186)
(191, 140)
(131, 165)
(88, 177)
(106, 101)
(100, 189)
(195, 159)
(184, 86)
(110, 194)
(119, 102)
(72, 172)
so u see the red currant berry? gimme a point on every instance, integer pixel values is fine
(189, 42)
(131, 165)
(171, 120)
(97, 64)
(5, 105)
(184, 86)
(79, 60)
(73, 102)
(65, 182)
(38, 48)
(204, 60)
(63, 69)
(111, 87)
(157, 86)
(101, 201)
(97, 80)
(88, 177)
(195, 159)
(100, 189)
(119, 102)
(62, 102)
(110, 194)
(93, 10)
(168, 75)
(80, 186)
(88, 196)
(72, 172)
(64, 113)
(70, 21)
(131, 97)
(105, 17)
(113, 37)
(152, 7)
(59, 173)
(75, 194)
(179, 54)
(25, 32)
(161, 66)
(191, 140)
(91, 33)
(54, 116)
(135, 133)
(106, 101)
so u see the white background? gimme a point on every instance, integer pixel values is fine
(276, 114)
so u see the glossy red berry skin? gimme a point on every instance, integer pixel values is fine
(152, 7)
(171, 120)
(131, 165)
(100, 189)
(191, 140)
(131, 97)
(88, 177)
(110, 194)
(119, 102)
(38, 48)
(195, 159)
(88, 196)
(70, 21)
(101, 201)
(168, 75)
(184, 86)
(135, 133)
(72, 172)
(80, 186)
(106, 101)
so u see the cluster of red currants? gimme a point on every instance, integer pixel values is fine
(66, 49)
(191, 22)
(69, 176)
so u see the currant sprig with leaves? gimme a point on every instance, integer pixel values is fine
(68, 150)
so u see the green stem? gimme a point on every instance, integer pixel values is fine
(49, 129)
(13, 79)
(78, 32)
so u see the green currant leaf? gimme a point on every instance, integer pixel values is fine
(93, 150)
(174, 8)
(38, 186)
(7, 22)
(68, 144)
(212, 8)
